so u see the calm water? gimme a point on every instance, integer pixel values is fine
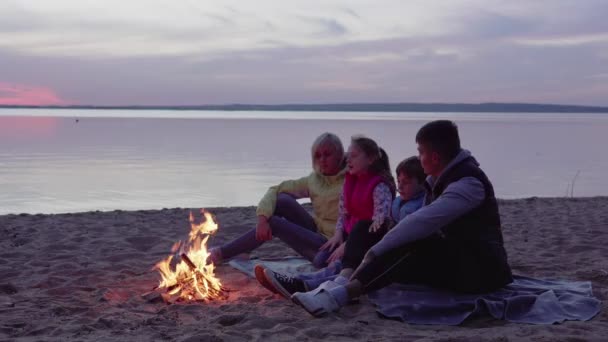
(122, 159)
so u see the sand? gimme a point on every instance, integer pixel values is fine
(80, 277)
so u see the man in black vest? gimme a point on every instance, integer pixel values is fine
(453, 242)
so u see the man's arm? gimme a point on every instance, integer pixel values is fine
(457, 199)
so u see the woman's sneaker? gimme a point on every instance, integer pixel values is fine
(261, 277)
(284, 284)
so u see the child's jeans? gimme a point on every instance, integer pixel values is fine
(358, 242)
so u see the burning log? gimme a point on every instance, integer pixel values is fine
(191, 286)
(153, 296)
(192, 279)
(188, 262)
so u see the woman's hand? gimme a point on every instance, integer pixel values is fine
(337, 254)
(263, 232)
(334, 242)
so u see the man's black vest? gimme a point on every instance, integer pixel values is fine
(476, 237)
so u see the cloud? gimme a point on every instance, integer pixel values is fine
(148, 28)
(348, 85)
(375, 58)
(19, 94)
(189, 52)
(565, 40)
(332, 26)
(490, 25)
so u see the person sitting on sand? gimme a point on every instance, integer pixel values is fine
(280, 215)
(453, 242)
(410, 180)
(364, 217)
(410, 186)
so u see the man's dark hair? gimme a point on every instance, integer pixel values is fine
(412, 168)
(440, 136)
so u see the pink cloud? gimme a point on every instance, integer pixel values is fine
(19, 94)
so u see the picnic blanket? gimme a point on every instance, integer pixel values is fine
(525, 300)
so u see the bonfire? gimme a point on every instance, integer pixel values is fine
(190, 278)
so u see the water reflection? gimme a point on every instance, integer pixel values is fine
(53, 164)
(27, 128)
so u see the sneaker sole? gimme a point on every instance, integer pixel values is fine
(320, 312)
(280, 289)
(261, 277)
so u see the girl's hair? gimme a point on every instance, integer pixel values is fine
(412, 168)
(329, 139)
(381, 165)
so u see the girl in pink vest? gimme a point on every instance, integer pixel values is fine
(365, 202)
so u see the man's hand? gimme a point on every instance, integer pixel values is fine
(369, 256)
(337, 254)
(263, 232)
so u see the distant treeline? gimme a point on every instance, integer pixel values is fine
(365, 107)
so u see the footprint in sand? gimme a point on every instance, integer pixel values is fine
(229, 320)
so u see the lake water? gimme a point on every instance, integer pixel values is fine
(57, 160)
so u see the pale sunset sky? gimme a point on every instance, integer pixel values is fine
(195, 52)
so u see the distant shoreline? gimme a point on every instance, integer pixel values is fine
(358, 107)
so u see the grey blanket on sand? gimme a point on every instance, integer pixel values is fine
(526, 300)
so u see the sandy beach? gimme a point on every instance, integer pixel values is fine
(80, 277)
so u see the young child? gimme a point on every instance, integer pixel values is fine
(362, 231)
(410, 186)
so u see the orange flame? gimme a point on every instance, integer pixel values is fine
(192, 278)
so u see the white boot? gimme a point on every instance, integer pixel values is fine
(318, 302)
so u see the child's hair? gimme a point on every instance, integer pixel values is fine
(412, 168)
(442, 137)
(327, 139)
(381, 165)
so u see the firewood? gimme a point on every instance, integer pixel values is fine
(152, 297)
(188, 262)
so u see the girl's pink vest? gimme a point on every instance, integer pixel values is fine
(359, 198)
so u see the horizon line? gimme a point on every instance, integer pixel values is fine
(352, 106)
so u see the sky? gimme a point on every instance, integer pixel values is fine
(197, 52)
